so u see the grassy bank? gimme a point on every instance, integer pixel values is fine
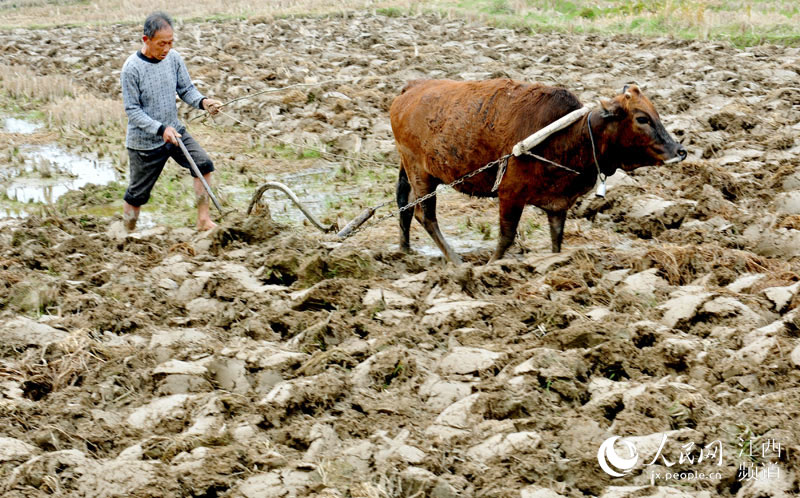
(741, 22)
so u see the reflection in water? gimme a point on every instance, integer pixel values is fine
(9, 212)
(79, 170)
(47, 173)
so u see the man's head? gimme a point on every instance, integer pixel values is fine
(157, 35)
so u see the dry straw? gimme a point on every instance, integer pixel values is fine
(680, 265)
(22, 82)
(65, 103)
(61, 365)
(86, 111)
(43, 12)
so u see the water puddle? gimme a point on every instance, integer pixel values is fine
(47, 173)
(16, 125)
(311, 186)
(460, 245)
(12, 212)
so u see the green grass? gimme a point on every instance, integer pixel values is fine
(310, 154)
(531, 226)
(284, 151)
(741, 23)
(392, 12)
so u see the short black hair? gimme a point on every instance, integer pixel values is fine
(156, 22)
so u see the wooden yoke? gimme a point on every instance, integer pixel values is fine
(541, 135)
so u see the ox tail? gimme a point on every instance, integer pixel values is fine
(403, 188)
(403, 195)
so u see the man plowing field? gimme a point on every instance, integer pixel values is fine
(150, 79)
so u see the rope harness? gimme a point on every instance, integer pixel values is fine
(601, 189)
(520, 149)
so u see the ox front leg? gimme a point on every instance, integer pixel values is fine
(556, 219)
(509, 221)
(426, 215)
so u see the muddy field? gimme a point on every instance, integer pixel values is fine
(263, 359)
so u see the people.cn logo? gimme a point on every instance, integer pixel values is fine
(613, 464)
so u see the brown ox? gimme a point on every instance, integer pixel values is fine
(445, 129)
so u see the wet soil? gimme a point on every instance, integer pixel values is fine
(266, 359)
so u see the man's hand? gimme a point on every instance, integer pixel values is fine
(171, 135)
(212, 105)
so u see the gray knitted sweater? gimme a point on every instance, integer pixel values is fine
(148, 90)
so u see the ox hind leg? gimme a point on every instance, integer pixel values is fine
(510, 214)
(404, 196)
(425, 213)
(556, 219)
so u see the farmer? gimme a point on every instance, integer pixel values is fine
(150, 79)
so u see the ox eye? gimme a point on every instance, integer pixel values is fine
(643, 120)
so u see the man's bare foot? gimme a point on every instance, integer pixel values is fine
(202, 226)
(130, 221)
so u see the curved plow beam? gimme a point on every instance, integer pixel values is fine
(286, 190)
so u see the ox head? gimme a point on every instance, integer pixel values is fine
(635, 130)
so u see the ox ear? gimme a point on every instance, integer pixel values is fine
(631, 87)
(610, 108)
(631, 90)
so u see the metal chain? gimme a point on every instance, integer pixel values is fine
(427, 196)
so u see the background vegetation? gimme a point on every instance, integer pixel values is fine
(741, 22)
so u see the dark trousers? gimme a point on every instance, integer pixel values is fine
(146, 166)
